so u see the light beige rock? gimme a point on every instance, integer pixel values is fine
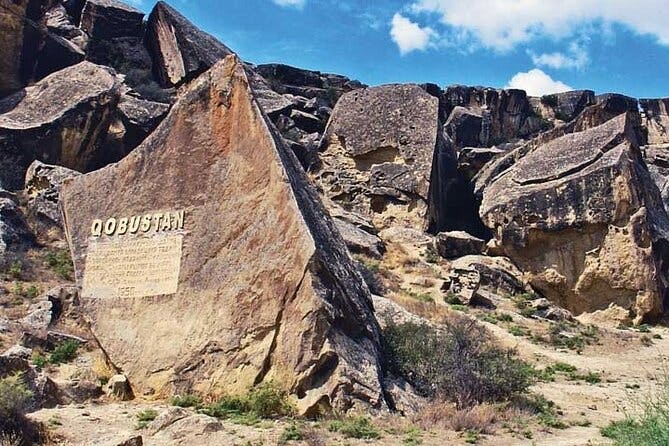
(266, 289)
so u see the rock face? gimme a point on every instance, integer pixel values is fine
(657, 160)
(42, 186)
(107, 19)
(569, 104)
(583, 217)
(657, 119)
(60, 120)
(454, 244)
(298, 314)
(20, 41)
(380, 143)
(179, 50)
(14, 231)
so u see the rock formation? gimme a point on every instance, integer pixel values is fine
(60, 120)
(180, 50)
(581, 214)
(266, 289)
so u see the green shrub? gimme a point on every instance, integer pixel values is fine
(461, 362)
(266, 400)
(32, 292)
(61, 263)
(650, 428)
(39, 361)
(452, 299)
(431, 255)
(145, 417)
(355, 427)
(15, 398)
(186, 401)
(15, 270)
(545, 411)
(292, 432)
(65, 352)
(504, 317)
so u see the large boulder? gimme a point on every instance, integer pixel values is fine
(180, 51)
(14, 231)
(60, 120)
(582, 216)
(657, 160)
(108, 19)
(20, 42)
(379, 147)
(569, 104)
(42, 188)
(657, 119)
(237, 275)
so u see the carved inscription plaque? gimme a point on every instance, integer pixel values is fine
(133, 267)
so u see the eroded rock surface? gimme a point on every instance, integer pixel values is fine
(60, 120)
(582, 216)
(180, 51)
(298, 314)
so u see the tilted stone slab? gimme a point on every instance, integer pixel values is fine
(60, 120)
(264, 289)
(583, 217)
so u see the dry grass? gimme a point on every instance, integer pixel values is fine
(481, 418)
(428, 310)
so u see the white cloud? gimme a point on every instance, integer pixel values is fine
(410, 36)
(290, 3)
(577, 57)
(503, 24)
(537, 83)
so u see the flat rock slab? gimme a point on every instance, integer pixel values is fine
(216, 266)
(60, 120)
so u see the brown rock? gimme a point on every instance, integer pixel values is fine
(19, 44)
(265, 290)
(583, 217)
(60, 120)
(180, 51)
(657, 119)
(454, 244)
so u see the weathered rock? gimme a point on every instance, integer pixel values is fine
(60, 120)
(582, 216)
(359, 241)
(118, 387)
(13, 360)
(14, 231)
(569, 104)
(454, 244)
(76, 391)
(299, 314)
(657, 119)
(180, 51)
(19, 44)
(464, 127)
(42, 186)
(607, 106)
(657, 160)
(472, 159)
(379, 147)
(107, 19)
(56, 53)
(307, 122)
(139, 117)
(133, 441)
(39, 317)
(497, 275)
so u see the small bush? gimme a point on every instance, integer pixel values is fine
(65, 352)
(145, 417)
(292, 432)
(32, 292)
(461, 363)
(15, 398)
(431, 255)
(186, 401)
(264, 401)
(452, 299)
(61, 263)
(15, 270)
(355, 427)
(39, 361)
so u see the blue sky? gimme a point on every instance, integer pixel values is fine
(542, 46)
